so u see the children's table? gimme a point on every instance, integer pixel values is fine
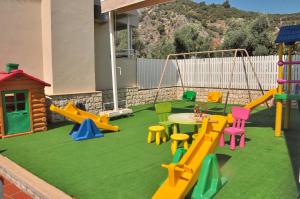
(186, 118)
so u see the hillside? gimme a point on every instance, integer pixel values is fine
(158, 25)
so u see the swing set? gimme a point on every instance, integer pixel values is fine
(214, 96)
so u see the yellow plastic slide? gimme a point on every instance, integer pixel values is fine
(77, 115)
(267, 96)
(183, 176)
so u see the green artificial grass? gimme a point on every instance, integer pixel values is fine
(123, 165)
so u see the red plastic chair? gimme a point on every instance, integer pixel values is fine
(240, 115)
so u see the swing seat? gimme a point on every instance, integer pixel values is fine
(214, 97)
(189, 96)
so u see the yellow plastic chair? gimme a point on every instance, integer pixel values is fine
(214, 97)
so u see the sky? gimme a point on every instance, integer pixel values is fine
(265, 6)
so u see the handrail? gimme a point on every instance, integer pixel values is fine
(281, 63)
(282, 81)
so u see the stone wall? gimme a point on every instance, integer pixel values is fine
(92, 102)
(133, 96)
(102, 100)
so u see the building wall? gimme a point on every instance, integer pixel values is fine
(72, 36)
(21, 35)
(126, 67)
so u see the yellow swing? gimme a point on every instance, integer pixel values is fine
(216, 96)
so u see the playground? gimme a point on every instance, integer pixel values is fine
(183, 148)
(128, 167)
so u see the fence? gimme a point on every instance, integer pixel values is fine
(212, 72)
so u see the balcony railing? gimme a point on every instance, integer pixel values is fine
(129, 53)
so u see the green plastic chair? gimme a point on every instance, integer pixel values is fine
(189, 96)
(163, 110)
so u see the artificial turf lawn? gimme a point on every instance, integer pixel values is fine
(123, 165)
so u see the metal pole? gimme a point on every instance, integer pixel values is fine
(255, 75)
(229, 86)
(278, 119)
(161, 78)
(289, 88)
(129, 39)
(179, 72)
(246, 77)
(113, 60)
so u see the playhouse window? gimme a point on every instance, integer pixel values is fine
(21, 106)
(10, 107)
(9, 97)
(20, 96)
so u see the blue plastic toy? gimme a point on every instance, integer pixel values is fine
(86, 130)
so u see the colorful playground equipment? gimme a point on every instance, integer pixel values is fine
(240, 116)
(179, 137)
(78, 116)
(214, 96)
(163, 110)
(159, 132)
(189, 95)
(287, 37)
(183, 175)
(86, 130)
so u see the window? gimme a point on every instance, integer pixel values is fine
(21, 106)
(20, 96)
(15, 101)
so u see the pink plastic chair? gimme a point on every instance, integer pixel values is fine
(240, 115)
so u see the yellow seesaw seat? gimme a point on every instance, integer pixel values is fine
(73, 113)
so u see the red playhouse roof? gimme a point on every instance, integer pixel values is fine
(4, 76)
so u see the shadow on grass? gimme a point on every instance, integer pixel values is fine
(222, 160)
(292, 138)
(3, 150)
(52, 126)
(237, 141)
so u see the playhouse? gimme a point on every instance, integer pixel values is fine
(22, 103)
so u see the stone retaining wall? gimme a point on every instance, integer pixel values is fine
(134, 96)
(95, 102)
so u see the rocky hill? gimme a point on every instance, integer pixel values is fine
(159, 24)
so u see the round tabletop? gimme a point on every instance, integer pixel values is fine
(186, 118)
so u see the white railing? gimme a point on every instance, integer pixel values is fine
(211, 72)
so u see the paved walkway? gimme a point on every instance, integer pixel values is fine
(12, 192)
(31, 183)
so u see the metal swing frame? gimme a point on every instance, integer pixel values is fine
(243, 52)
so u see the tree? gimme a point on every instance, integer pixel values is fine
(238, 38)
(162, 51)
(226, 4)
(161, 29)
(190, 38)
(256, 37)
(260, 50)
(137, 44)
